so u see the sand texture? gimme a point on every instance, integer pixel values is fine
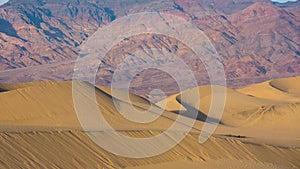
(259, 129)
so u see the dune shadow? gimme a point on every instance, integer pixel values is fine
(191, 112)
(234, 136)
(3, 90)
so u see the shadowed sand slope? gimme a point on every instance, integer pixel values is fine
(40, 129)
(50, 104)
(289, 85)
(262, 107)
(279, 89)
(243, 109)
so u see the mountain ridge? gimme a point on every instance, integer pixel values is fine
(256, 39)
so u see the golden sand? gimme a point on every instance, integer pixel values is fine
(260, 128)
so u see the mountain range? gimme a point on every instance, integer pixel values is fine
(256, 39)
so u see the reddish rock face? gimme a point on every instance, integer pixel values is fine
(256, 39)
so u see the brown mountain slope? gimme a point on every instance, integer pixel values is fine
(257, 40)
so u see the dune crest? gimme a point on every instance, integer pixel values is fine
(274, 112)
(39, 129)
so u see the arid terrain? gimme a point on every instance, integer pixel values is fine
(260, 124)
(257, 40)
(54, 106)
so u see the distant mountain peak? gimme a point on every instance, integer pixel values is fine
(255, 38)
(261, 9)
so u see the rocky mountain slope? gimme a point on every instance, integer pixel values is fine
(257, 39)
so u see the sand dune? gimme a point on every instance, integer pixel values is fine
(39, 128)
(50, 104)
(213, 164)
(244, 109)
(73, 149)
(273, 91)
(289, 85)
(250, 109)
(171, 103)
